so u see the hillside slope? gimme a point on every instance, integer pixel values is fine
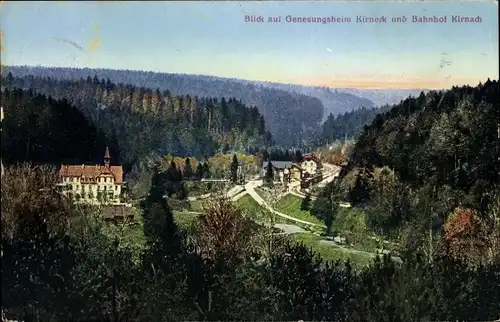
(446, 138)
(334, 101)
(43, 130)
(290, 117)
(143, 121)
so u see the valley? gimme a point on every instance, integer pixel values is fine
(141, 178)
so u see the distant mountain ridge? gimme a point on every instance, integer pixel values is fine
(334, 101)
(292, 112)
(384, 96)
(290, 117)
(341, 100)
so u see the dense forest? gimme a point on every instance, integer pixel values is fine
(45, 130)
(144, 121)
(428, 164)
(334, 101)
(346, 125)
(290, 117)
(448, 138)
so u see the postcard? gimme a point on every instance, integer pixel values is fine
(250, 160)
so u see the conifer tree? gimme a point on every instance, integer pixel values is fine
(188, 170)
(234, 169)
(199, 170)
(269, 172)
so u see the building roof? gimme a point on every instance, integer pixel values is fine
(313, 158)
(117, 211)
(310, 157)
(278, 164)
(90, 173)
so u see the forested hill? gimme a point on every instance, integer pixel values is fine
(444, 138)
(144, 120)
(44, 130)
(343, 100)
(346, 125)
(290, 117)
(335, 101)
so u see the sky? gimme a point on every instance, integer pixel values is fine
(212, 38)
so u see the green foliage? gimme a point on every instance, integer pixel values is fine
(347, 125)
(291, 205)
(269, 176)
(290, 116)
(62, 263)
(325, 206)
(446, 138)
(135, 120)
(44, 130)
(234, 169)
(306, 203)
(188, 170)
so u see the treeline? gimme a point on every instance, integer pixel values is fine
(446, 138)
(145, 120)
(429, 164)
(347, 125)
(335, 101)
(282, 155)
(221, 269)
(45, 130)
(290, 117)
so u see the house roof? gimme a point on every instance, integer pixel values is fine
(278, 164)
(91, 172)
(313, 158)
(110, 212)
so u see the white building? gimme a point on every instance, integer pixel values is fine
(93, 184)
(311, 165)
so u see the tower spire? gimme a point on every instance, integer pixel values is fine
(107, 158)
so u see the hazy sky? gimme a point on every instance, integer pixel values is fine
(212, 38)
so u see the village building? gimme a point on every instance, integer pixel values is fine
(92, 184)
(311, 165)
(283, 171)
(118, 213)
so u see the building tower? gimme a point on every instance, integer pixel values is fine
(107, 158)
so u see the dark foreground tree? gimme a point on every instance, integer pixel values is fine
(188, 169)
(306, 202)
(269, 177)
(234, 169)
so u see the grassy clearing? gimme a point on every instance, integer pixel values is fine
(185, 219)
(329, 252)
(290, 205)
(257, 212)
(351, 224)
(261, 193)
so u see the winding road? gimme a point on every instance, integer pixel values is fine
(330, 173)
